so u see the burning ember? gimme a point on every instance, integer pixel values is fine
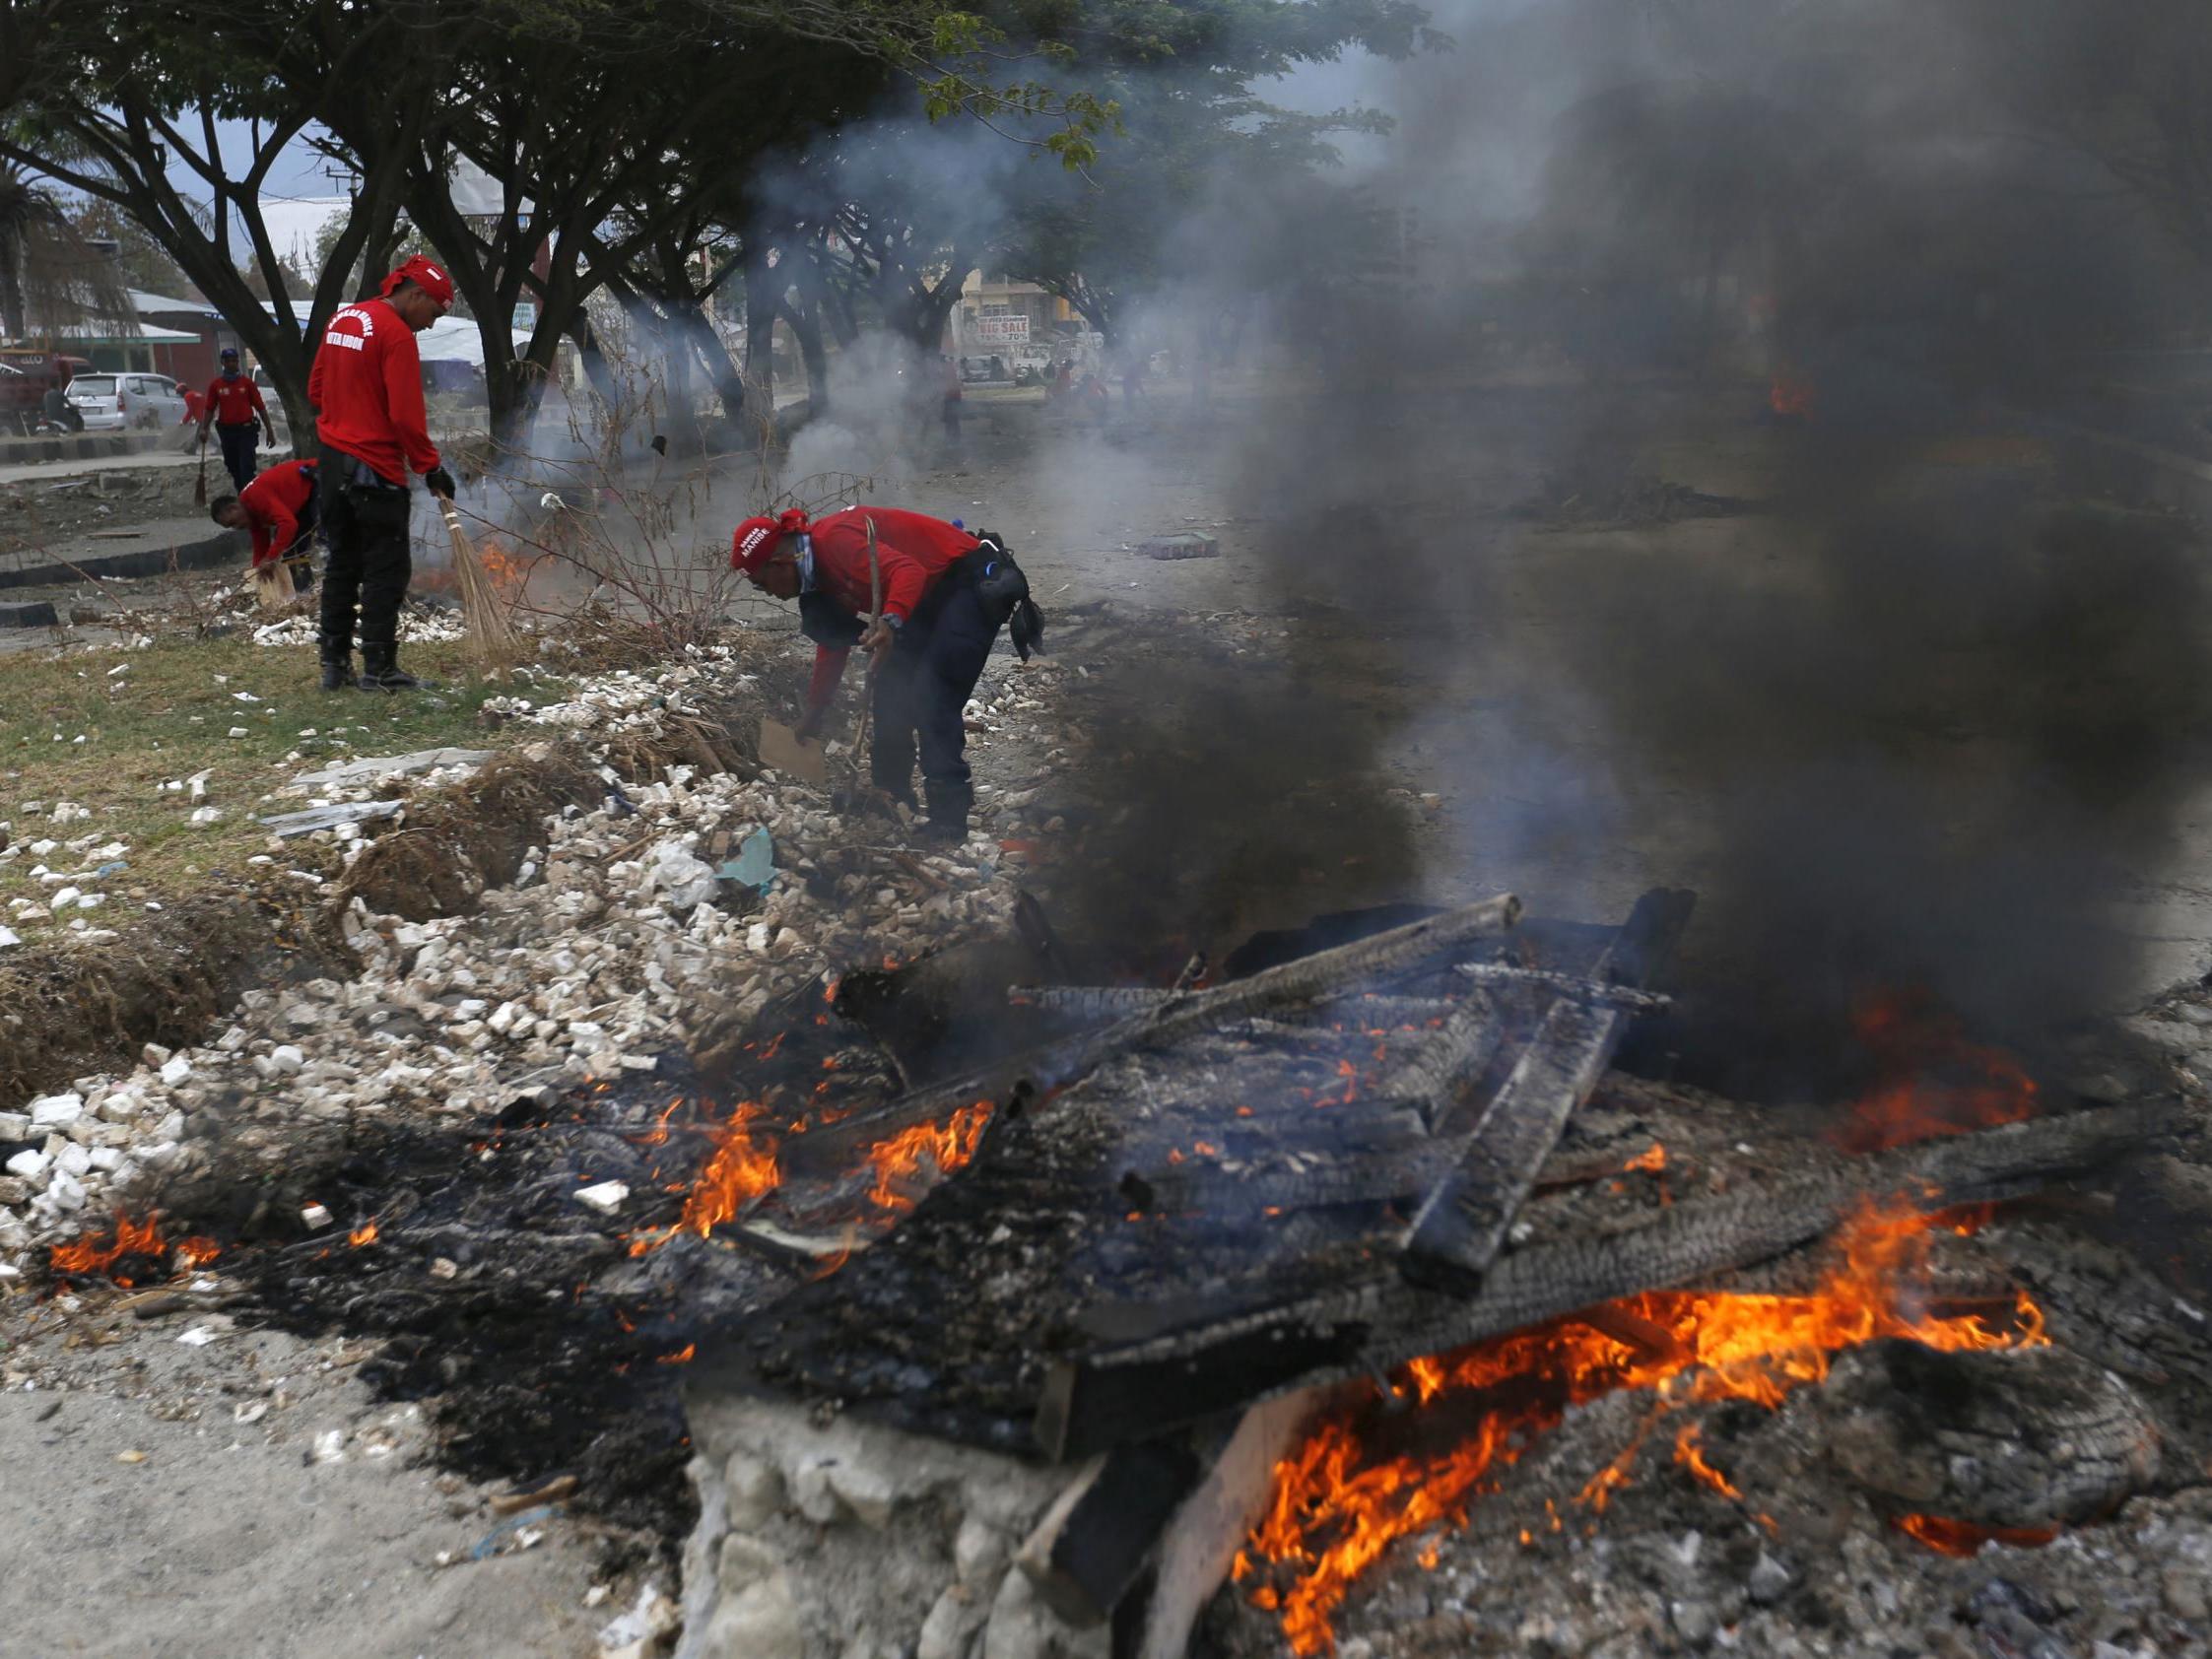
(1790, 396)
(948, 1145)
(1937, 1082)
(1964, 1540)
(740, 1171)
(1343, 1498)
(745, 1167)
(131, 1239)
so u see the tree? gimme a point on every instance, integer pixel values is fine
(138, 259)
(1195, 142)
(49, 273)
(108, 100)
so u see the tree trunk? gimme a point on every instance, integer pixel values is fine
(721, 368)
(586, 338)
(805, 324)
(11, 320)
(760, 344)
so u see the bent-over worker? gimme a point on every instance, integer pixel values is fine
(366, 386)
(279, 507)
(945, 596)
(233, 407)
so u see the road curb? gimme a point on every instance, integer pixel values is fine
(138, 562)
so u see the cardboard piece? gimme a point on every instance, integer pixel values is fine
(781, 750)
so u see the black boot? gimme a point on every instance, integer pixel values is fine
(380, 670)
(337, 664)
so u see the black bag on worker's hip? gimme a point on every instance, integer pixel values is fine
(1005, 594)
(826, 623)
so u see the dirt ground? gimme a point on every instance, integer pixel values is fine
(246, 1498)
(229, 1539)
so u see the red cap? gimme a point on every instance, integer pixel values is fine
(431, 279)
(753, 544)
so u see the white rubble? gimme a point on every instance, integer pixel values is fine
(617, 946)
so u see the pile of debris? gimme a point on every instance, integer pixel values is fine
(628, 923)
(420, 620)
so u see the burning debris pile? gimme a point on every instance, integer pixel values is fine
(1355, 1288)
(625, 932)
(1127, 1265)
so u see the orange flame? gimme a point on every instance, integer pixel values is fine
(1790, 396)
(740, 1171)
(366, 1233)
(196, 1251)
(1690, 1453)
(1940, 1084)
(1653, 1158)
(1339, 1505)
(948, 1145)
(681, 1357)
(90, 1255)
(1964, 1539)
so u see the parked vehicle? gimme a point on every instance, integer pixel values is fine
(23, 375)
(128, 402)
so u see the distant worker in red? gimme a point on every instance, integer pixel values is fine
(366, 386)
(279, 507)
(945, 596)
(236, 410)
(195, 405)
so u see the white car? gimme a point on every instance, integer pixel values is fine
(112, 403)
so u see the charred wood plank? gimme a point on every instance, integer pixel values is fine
(1699, 1239)
(1431, 1078)
(1088, 1406)
(1116, 1002)
(1112, 1393)
(1037, 1071)
(1092, 1544)
(1459, 1228)
(1565, 984)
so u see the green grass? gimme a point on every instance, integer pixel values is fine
(72, 731)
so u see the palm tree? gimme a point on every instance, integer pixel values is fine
(28, 214)
(47, 267)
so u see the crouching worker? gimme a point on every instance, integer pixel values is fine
(946, 594)
(279, 507)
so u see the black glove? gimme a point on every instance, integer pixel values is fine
(993, 540)
(438, 482)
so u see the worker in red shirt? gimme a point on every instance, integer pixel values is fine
(279, 507)
(945, 595)
(236, 410)
(366, 386)
(195, 405)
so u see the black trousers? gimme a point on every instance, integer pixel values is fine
(239, 445)
(368, 562)
(921, 699)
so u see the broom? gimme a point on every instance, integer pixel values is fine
(199, 490)
(868, 696)
(490, 626)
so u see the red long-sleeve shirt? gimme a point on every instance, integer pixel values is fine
(274, 502)
(233, 400)
(913, 549)
(366, 386)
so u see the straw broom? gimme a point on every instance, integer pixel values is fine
(491, 629)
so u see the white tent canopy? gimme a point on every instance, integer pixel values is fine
(447, 339)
